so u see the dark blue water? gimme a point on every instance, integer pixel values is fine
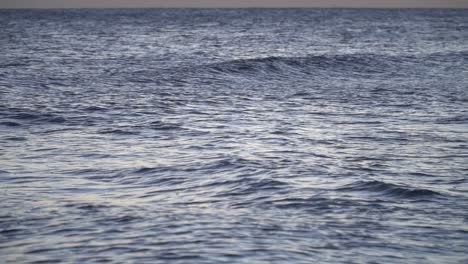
(234, 136)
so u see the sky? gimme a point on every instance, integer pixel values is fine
(231, 3)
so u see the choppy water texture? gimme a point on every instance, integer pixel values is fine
(234, 136)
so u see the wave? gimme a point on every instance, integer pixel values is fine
(273, 69)
(277, 68)
(315, 203)
(358, 64)
(13, 64)
(459, 119)
(390, 190)
(10, 124)
(245, 187)
(118, 132)
(14, 138)
(17, 117)
(159, 125)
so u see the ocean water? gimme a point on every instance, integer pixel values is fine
(234, 136)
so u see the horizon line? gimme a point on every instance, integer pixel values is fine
(218, 4)
(237, 7)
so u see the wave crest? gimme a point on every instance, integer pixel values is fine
(390, 190)
(330, 64)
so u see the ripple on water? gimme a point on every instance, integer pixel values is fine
(233, 136)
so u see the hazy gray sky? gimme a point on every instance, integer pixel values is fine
(230, 3)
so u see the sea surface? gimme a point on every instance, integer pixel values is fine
(234, 136)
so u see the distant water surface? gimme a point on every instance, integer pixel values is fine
(234, 136)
